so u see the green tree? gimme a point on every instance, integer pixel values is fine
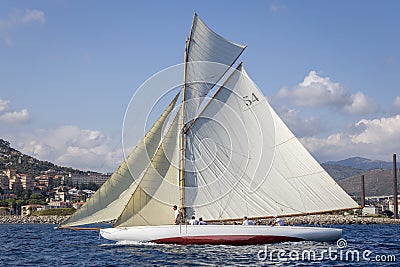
(37, 196)
(12, 205)
(19, 203)
(388, 213)
(3, 203)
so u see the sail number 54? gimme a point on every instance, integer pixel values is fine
(248, 100)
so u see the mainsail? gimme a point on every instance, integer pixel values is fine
(109, 200)
(245, 161)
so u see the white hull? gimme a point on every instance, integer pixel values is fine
(220, 234)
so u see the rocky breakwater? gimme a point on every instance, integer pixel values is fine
(52, 219)
(338, 219)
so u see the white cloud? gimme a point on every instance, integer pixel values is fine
(300, 126)
(317, 91)
(4, 104)
(17, 19)
(361, 104)
(72, 146)
(378, 131)
(12, 116)
(274, 7)
(15, 116)
(33, 15)
(376, 139)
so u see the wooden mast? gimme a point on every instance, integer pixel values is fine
(182, 139)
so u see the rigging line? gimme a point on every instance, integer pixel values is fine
(291, 138)
(304, 175)
(199, 90)
(204, 54)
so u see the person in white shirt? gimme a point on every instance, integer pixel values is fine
(177, 218)
(278, 221)
(246, 221)
(193, 221)
(201, 222)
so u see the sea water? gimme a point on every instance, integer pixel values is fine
(42, 245)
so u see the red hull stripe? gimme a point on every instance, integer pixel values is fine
(236, 240)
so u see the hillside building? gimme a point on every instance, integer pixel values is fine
(97, 179)
(29, 209)
(26, 181)
(4, 181)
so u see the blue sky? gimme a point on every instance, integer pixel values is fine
(68, 69)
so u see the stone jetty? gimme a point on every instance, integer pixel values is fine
(305, 220)
(327, 219)
(338, 219)
(51, 219)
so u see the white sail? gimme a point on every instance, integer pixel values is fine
(152, 201)
(109, 200)
(205, 46)
(245, 161)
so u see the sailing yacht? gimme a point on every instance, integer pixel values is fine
(220, 158)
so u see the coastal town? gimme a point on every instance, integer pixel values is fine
(26, 190)
(22, 194)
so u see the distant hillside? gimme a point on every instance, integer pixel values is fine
(362, 163)
(339, 172)
(378, 182)
(11, 158)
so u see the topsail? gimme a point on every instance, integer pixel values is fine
(205, 46)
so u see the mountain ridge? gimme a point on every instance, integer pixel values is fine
(362, 163)
(11, 158)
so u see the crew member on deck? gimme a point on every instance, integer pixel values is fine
(201, 222)
(246, 221)
(193, 221)
(278, 221)
(177, 214)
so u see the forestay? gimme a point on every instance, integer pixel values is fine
(109, 200)
(243, 160)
